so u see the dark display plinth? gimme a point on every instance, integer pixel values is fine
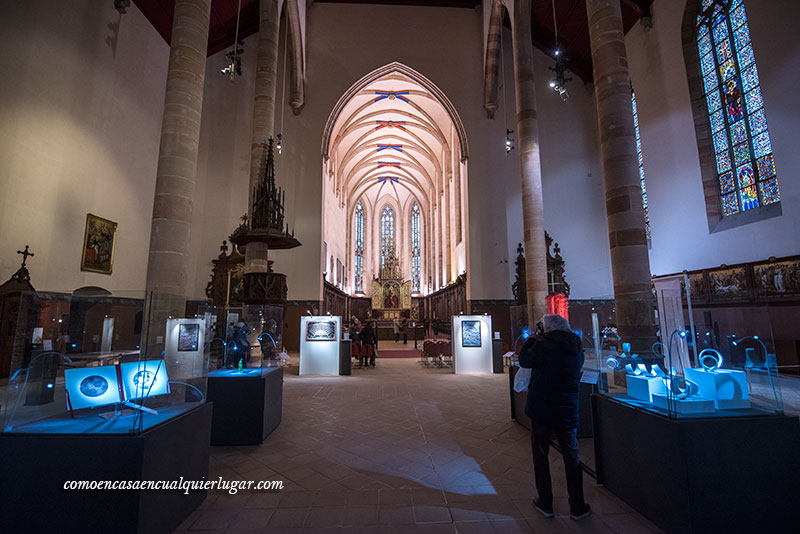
(497, 356)
(518, 401)
(345, 357)
(247, 406)
(35, 468)
(734, 474)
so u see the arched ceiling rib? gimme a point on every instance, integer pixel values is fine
(391, 139)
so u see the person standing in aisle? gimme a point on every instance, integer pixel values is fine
(555, 359)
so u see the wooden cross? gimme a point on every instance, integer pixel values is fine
(25, 255)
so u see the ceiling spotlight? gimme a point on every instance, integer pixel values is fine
(234, 66)
(509, 141)
(561, 79)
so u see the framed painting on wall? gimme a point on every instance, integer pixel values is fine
(470, 333)
(98, 244)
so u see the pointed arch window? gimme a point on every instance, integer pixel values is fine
(387, 233)
(415, 250)
(745, 166)
(641, 165)
(359, 246)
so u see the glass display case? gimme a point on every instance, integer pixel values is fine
(247, 338)
(105, 363)
(697, 366)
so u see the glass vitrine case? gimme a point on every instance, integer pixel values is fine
(105, 363)
(719, 364)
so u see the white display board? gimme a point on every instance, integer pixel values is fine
(319, 345)
(472, 344)
(185, 347)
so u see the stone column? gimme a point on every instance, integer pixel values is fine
(530, 165)
(168, 262)
(255, 260)
(626, 231)
(492, 57)
(448, 216)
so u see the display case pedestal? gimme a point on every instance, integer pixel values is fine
(694, 405)
(35, 468)
(247, 407)
(718, 474)
(727, 387)
(643, 387)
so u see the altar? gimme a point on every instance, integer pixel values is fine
(391, 294)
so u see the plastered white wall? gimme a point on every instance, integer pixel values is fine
(81, 100)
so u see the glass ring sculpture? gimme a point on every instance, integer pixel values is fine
(710, 359)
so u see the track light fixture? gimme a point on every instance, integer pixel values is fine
(560, 68)
(561, 79)
(509, 141)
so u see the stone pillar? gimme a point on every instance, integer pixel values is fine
(530, 165)
(448, 216)
(255, 260)
(626, 231)
(168, 262)
(492, 57)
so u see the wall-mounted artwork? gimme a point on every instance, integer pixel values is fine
(98, 244)
(188, 337)
(728, 283)
(470, 333)
(321, 331)
(778, 278)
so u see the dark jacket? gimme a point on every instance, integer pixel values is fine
(555, 359)
(367, 335)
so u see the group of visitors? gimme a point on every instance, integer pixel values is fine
(400, 325)
(365, 335)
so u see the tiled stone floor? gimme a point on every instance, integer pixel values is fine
(397, 449)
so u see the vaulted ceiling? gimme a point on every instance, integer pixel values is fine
(391, 140)
(573, 28)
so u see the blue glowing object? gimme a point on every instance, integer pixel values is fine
(144, 379)
(526, 333)
(682, 333)
(49, 386)
(74, 345)
(92, 386)
(755, 337)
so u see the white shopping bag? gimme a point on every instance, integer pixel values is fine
(522, 380)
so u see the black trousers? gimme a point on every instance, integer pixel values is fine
(540, 446)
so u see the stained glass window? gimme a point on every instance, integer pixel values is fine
(641, 164)
(387, 233)
(415, 255)
(359, 243)
(745, 166)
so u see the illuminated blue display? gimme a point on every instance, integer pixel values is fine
(91, 386)
(144, 379)
(526, 333)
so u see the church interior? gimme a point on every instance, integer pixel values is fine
(304, 242)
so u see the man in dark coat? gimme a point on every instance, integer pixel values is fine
(368, 337)
(555, 359)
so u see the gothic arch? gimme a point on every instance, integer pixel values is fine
(395, 67)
